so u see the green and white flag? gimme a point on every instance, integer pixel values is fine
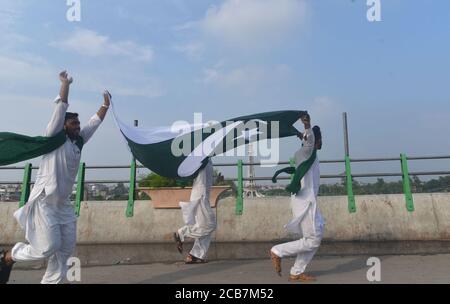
(15, 148)
(181, 150)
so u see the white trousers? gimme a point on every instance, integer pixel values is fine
(201, 230)
(56, 243)
(306, 247)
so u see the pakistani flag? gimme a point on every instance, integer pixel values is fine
(181, 150)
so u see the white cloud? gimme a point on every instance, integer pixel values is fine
(244, 76)
(181, 6)
(10, 15)
(193, 50)
(25, 114)
(29, 114)
(186, 26)
(123, 84)
(325, 106)
(152, 89)
(17, 73)
(35, 74)
(10, 11)
(234, 77)
(253, 23)
(90, 43)
(211, 76)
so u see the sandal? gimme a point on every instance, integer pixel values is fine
(5, 269)
(190, 259)
(276, 262)
(178, 241)
(302, 278)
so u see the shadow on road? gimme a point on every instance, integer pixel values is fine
(187, 271)
(354, 264)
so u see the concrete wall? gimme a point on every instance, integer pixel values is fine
(378, 218)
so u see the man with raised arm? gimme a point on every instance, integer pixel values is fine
(48, 219)
(307, 220)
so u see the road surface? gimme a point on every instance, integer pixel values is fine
(327, 269)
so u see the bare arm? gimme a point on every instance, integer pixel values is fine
(106, 103)
(308, 136)
(56, 123)
(306, 120)
(65, 85)
(308, 141)
(97, 119)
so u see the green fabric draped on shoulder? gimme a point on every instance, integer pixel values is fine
(295, 186)
(15, 148)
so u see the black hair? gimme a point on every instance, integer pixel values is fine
(317, 132)
(70, 115)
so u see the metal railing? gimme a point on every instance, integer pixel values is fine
(404, 173)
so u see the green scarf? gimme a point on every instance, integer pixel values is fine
(15, 148)
(295, 185)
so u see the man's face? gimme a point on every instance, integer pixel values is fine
(72, 127)
(319, 143)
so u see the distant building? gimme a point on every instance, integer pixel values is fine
(10, 193)
(98, 190)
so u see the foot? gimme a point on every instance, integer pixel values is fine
(276, 262)
(178, 241)
(190, 259)
(8, 258)
(6, 264)
(302, 278)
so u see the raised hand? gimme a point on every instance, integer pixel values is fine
(65, 84)
(107, 98)
(64, 78)
(106, 103)
(306, 120)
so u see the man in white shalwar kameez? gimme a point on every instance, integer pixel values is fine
(307, 220)
(49, 218)
(199, 217)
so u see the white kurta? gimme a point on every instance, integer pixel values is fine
(307, 220)
(198, 215)
(48, 218)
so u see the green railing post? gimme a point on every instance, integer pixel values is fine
(350, 195)
(25, 185)
(292, 162)
(132, 190)
(406, 184)
(80, 188)
(240, 189)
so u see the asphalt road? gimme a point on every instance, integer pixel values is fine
(409, 269)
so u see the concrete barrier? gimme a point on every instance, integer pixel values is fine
(170, 197)
(378, 218)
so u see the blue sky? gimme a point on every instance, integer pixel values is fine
(165, 60)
